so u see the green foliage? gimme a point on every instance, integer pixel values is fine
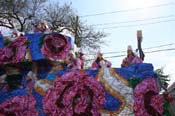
(163, 79)
(133, 81)
(161, 75)
(27, 42)
(42, 40)
(6, 42)
(166, 106)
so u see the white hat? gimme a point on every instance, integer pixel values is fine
(129, 47)
(72, 52)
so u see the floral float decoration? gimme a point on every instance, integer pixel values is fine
(166, 103)
(14, 52)
(19, 106)
(55, 46)
(74, 94)
(147, 101)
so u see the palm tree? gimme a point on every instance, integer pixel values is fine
(162, 79)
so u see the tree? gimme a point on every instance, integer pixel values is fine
(162, 78)
(63, 17)
(18, 13)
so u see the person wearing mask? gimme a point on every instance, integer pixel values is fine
(80, 59)
(72, 62)
(131, 58)
(41, 27)
(100, 62)
(44, 26)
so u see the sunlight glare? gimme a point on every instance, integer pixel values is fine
(139, 3)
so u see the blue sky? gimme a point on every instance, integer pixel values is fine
(118, 38)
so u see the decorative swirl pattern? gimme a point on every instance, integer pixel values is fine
(55, 46)
(75, 94)
(14, 52)
(147, 101)
(19, 106)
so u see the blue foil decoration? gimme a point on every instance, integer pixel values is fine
(10, 94)
(1, 41)
(112, 104)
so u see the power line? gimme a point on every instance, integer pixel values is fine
(159, 46)
(161, 50)
(108, 57)
(170, 49)
(131, 21)
(127, 10)
(125, 26)
(164, 45)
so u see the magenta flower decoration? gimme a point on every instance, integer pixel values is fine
(19, 106)
(55, 46)
(14, 52)
(147, 101)
(75, 94)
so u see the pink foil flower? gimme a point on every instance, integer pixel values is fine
(146, 99)
(14, 52)
(156, 102)
(55, 46)
(74, 94)
(19, 106)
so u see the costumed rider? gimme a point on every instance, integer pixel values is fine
(41, 27)
(73, 63)
(100, 62)
(80, 59)
(131, 58)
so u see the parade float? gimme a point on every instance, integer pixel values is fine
(34, 82)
